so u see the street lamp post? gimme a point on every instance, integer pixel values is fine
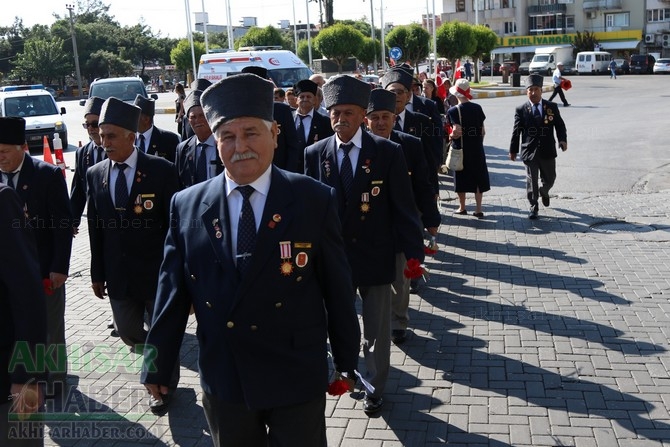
(372, 32)
(309, 35)
(74, 49)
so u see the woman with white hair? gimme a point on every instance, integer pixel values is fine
(467, 121)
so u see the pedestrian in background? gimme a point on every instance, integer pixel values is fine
(557, 78)
(179, 106)
(430, 92)
(612, 67)
(467, 123)
(535, 122)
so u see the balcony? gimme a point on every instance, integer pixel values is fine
(557, 8)
(604, 5)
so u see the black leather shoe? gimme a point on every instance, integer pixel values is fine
(398, 336)
(159, 407)
(372, 404)
(566, 105)
(545, 200)
(532, 214)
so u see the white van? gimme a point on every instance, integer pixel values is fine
(284, 67)
(38, 107)
(593, 62)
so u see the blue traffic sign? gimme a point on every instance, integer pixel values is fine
(395, 53)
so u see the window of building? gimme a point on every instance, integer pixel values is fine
(569, 22)
(617, 20)
(510, 27)
(658, 15)
(460, 5)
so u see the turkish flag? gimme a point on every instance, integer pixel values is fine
(458, 74)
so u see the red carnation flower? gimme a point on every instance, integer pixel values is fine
(338, 387)
(413, 269)
(48, 289)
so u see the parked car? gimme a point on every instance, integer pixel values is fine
(524, 68)
(486, 69)
(662, 66)
(642, 63)
(124, 88)
(622, 66)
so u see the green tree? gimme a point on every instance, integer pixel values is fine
(368, 52)
(303, 52)
(11, 44)
(455, 40)
(413, 40)
(260, 36)
(140, 47)
(486, 41)
(105, 64)
(43, 60)
(181, 55)
(585, 41)
(338, 43)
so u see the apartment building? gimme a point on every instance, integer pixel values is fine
(622, 27)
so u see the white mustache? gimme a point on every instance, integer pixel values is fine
(338, 124)
(243, 156)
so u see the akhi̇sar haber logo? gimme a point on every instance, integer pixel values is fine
(274, 61)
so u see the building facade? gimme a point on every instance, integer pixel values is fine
(622, 27)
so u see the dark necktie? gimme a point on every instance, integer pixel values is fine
(201, 167)
(346, 171)
(10, 179)
(301, 128)
(246, 230)
(536, 112)
(142, 146)
(121, 188)
(397, 124)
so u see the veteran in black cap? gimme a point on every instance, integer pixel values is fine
(197, 159)
(377, 213)
(44, 197)
(380, 121)
(288, 154)
(535, 123)
(311, 125)
(128, 218)
(151, 139)
(85, 157)
(264, 236)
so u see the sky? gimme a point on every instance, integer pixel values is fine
(167, 17)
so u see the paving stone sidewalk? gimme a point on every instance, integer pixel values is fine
(552, 332)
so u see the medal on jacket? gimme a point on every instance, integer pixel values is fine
(286, 266)
(365, 202)
(138, 204)
(217, 228)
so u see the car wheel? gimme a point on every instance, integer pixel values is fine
(549, 71)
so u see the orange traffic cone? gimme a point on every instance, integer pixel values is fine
(46, 151)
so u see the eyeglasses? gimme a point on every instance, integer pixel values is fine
(94, 125)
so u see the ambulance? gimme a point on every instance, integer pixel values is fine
(284, 68)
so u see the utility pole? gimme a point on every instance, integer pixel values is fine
(74, 48)
(372, 33)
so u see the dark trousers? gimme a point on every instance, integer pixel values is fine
(56, 334)
(558, 91)
(234, 425)
(539, 169)
(129, 319)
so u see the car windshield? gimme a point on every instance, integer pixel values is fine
(663, 61)
(125, 91)
(542, 58)
(30, 106)
(287, 77)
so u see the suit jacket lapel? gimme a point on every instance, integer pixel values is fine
(216, 224)
(140, 176)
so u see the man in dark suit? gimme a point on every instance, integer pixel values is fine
(85, 157)
(288, 154)
(378, 216)
(426, 106)
(258, 253)
(416, 124)
(380, 119)
(150, 139)
(128, 218)
(311, 126)
(186, 130)
(23, 323)
(43, 192)
(535, 122)
(197, 157)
